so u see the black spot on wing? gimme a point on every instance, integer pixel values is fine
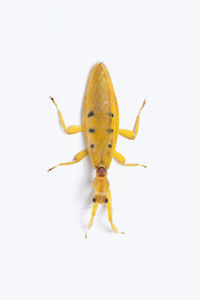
(91, 130)
(109, 145)
(92, 145)
(91, 114)
(109, 130)
(110, 114)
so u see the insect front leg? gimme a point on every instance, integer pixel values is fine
(132, 134)
(71, 129)
(109, 208)
(121, 159)
(94, 209)
(79, 156)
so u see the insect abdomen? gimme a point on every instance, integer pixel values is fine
(100, 117)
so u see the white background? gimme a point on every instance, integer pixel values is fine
(152, 51)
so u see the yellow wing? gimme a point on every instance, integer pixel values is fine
(100, 117)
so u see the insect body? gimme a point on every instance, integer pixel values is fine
(100, 117)
(100, 126)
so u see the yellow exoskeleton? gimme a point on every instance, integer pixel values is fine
(100, 126)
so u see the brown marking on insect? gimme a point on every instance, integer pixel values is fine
(101, 172)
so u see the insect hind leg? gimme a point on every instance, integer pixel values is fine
(132, 134)
(71, 129)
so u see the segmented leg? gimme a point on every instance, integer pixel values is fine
(109, 208)
(132, 134)
(71, 129)
(79, 156)
(94, 209)
(121, 159)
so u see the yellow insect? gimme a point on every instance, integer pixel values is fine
(100, 126)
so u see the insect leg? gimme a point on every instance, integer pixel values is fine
(94, 209)
(109, 208)
(70, 129)
(132, 134)
(79, 156)
(121, 159)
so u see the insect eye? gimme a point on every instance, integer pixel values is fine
(94, 200)
(106, 200)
